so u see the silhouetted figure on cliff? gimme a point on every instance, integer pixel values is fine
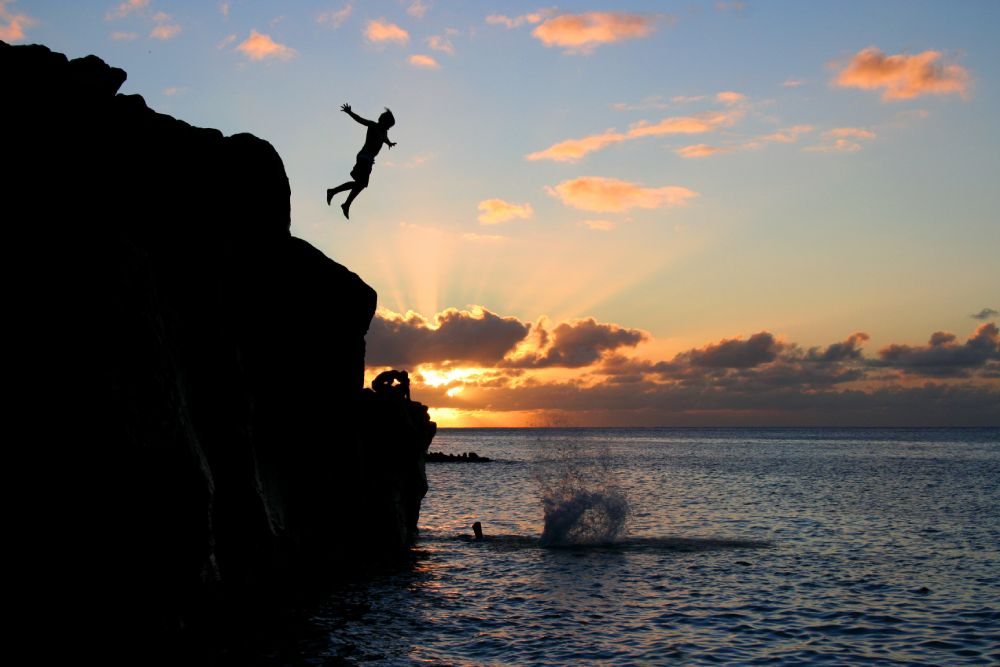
(382, 384)
(376, 136)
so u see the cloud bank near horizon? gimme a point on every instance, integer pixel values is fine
(480, 363)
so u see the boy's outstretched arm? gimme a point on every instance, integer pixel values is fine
(346, 108)
(388, 143)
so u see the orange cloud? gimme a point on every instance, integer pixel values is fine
(698, 124)
(12, 30)
(439, 43)
(582, 33)
(701, 150)
(123, 36)
(495, 211)
(594, 193)
(517, 21)
(856, 132)
(842, 140)
(789, 135)
(838, 146)
(259, 47)
(379, 30)
(165, 31)
(572, 150)
(125, 8)
(425, 61)
(729, 97)
(903, 76)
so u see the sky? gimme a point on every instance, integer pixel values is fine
(623, 213)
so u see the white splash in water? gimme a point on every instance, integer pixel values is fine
(581, 502)
(584, 517)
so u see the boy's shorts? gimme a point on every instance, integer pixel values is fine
(362, 170)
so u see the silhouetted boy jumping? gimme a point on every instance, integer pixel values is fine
(376, 136)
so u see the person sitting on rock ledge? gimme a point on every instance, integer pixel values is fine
(382, 384)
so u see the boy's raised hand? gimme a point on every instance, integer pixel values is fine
(346, 108)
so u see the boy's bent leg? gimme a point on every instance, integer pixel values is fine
(340, 188)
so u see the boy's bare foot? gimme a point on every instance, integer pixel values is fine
(329, 196)
(346, 209)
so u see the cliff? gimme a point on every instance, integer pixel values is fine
(223, 456)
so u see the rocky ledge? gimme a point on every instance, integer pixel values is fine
(228, 459)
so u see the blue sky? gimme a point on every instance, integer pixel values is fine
(846, 182)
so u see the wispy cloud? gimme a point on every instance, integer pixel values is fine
(413, 162)
(380, 30)
(855, 132)
(792, 83)
(165, 31)
(598, 225)
(572, 150)
(261, 47)
(226, 41)
(835, 146)
(424, 61)
(224, 9)
(788, 135)
(174, 90)
(417, 9)
(336, 17)
(730, 97)
(515, 22)
(842, 140)
(610, 195)
(985, 314)
(495, 211)
(902, 76)
(125, 8)
(441, 43)
(120, 36)
(12, 26)
(582, 33)
(701, 150)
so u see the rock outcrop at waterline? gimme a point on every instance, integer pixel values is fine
(228, 456)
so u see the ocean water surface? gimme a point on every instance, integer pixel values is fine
(690, 546)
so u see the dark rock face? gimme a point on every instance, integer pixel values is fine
(229, 459)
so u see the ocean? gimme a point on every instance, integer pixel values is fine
(689, 546)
